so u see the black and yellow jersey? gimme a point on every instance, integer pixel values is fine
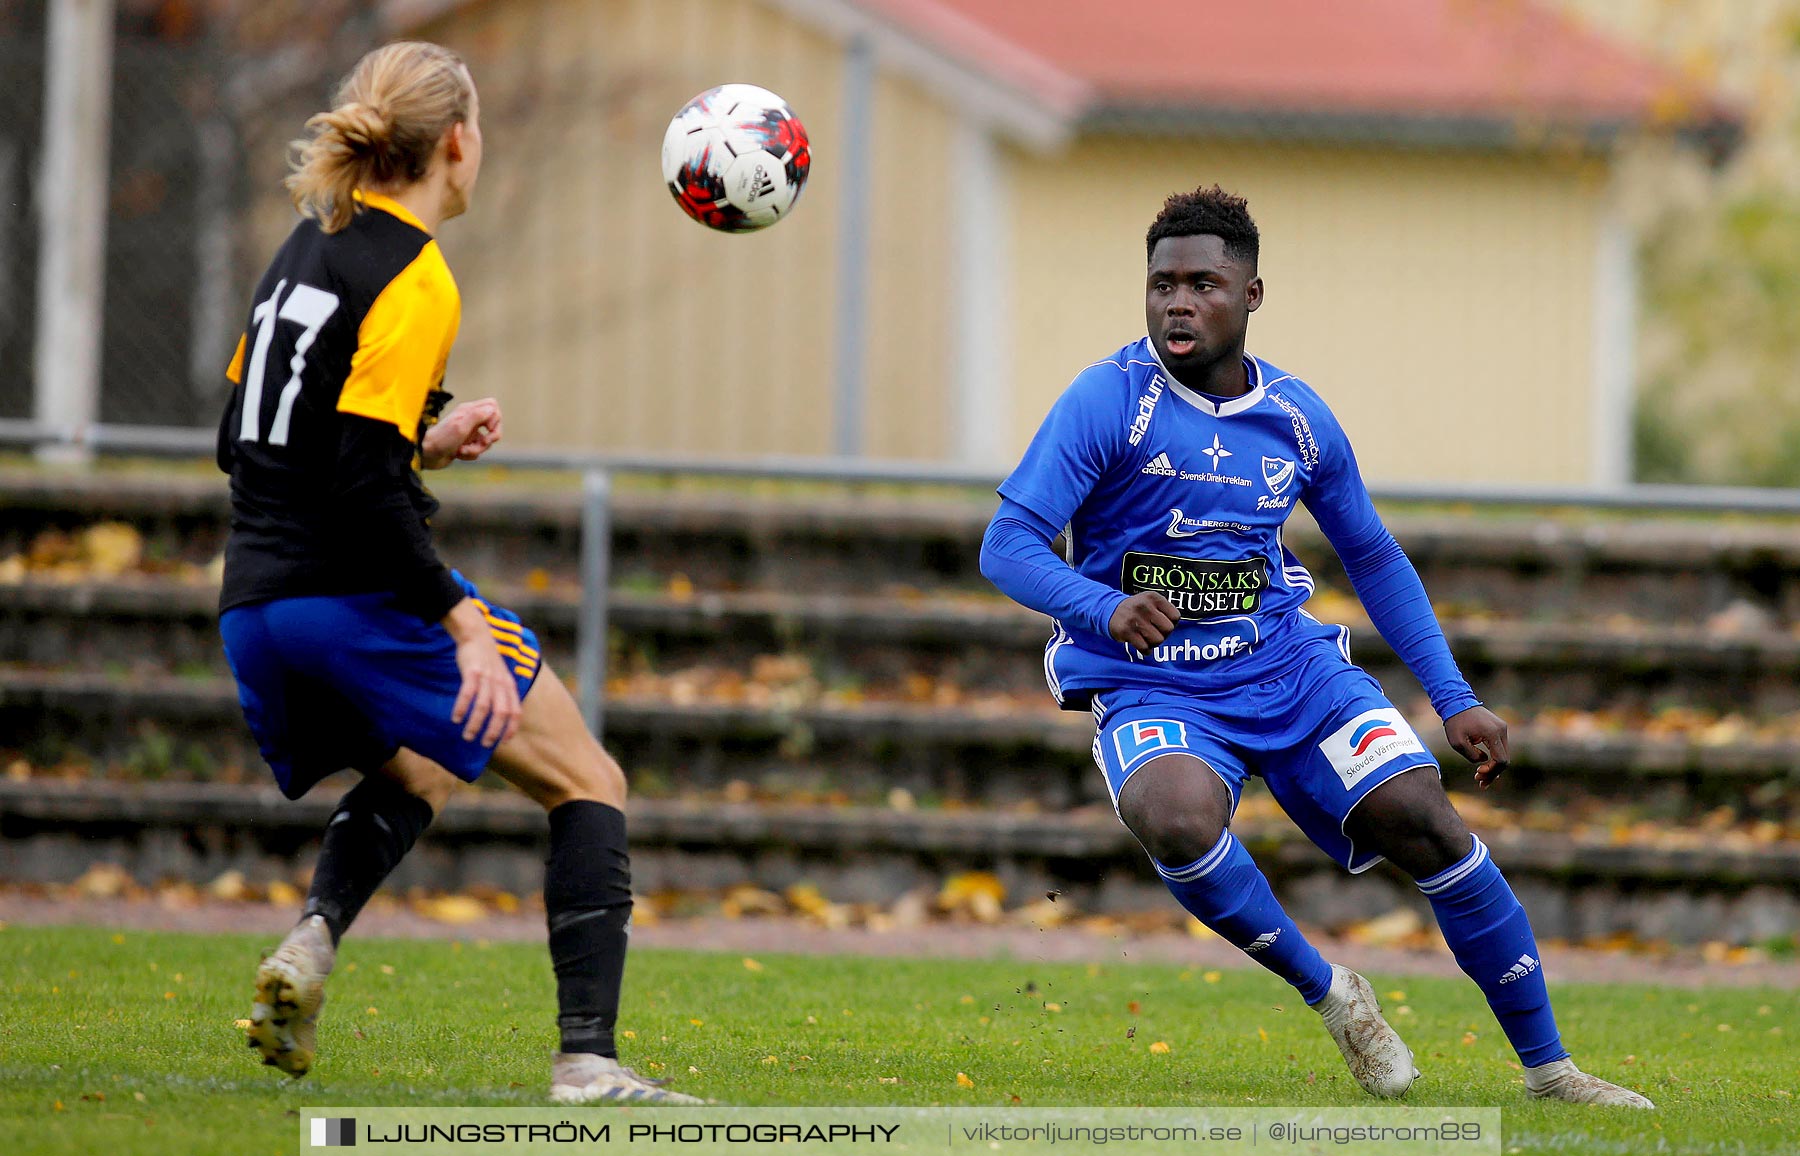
(336, 374)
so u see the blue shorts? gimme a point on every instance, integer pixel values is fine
(345, 681)
(1322, 736)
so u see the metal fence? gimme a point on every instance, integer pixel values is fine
(21, 125)
(173, 194)
(177, 191)
(598, 471)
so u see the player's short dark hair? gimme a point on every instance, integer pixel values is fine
(1207, 212)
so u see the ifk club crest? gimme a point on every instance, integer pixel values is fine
(1277, 474)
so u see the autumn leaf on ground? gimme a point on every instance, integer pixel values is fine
(230, 885)
(104, 881)
(452, 909)
(1385, 930)
(809, 901)
(978, 893)
(745, 900)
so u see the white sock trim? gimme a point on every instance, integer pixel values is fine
(1201, 867)
(1451, 876)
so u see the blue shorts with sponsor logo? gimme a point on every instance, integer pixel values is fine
(1321, 735)
(335, 682)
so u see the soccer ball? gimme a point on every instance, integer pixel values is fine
(735, 157)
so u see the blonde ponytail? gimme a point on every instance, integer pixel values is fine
(383, 127)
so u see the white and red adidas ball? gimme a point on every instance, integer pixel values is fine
(736, 158)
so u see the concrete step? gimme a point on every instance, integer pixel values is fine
(1576, 889)
(1571, 566)
(922, 618)
(953, 744)
(1523, 667)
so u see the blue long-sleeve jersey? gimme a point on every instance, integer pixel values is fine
(1161, 488)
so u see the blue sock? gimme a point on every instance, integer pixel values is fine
(1491, 938)
(1224, 890)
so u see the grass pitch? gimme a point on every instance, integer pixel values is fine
(126, 1043)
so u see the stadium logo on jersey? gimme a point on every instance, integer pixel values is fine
(1277, 473)
(1215, 452)
(1146, 409)
(1161, 466)
(1368, 741)
(1262, 942)
(1520, 970)
(1199, 587)
(1303, 435)
(1182, 526)
(1137, 741)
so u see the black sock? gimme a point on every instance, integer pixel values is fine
(587, 900)
(374, 826)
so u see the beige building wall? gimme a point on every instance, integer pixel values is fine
(909, 377)
(1441, 302)
(599, 314)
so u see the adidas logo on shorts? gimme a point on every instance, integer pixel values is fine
(1262, 941)
(1520, 970)
(1161, 466)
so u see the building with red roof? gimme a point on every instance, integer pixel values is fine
(1434, 72)
(1437, 181)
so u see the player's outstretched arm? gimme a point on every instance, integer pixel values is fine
(1390, 590)
(1082, 436)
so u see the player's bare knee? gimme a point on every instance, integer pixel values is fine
(420, 778)
(1410, 820)
(1175, 838)
(599, 778)
(595, 776)
(1443, 840)
(1177, 807)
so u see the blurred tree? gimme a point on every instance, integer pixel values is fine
(1720, 398)
(1719, 357)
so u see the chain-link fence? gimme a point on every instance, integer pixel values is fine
(170, 294)
(21, 125)
(175, 268)
(172, 189)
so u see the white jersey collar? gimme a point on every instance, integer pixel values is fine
(1206, 404)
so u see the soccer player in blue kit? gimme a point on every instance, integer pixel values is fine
(1171, 467)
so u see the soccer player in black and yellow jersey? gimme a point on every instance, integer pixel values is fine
(353, 645)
